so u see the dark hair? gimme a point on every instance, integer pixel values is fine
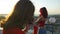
(22, 14)
(43, 12)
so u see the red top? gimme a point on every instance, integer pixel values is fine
(35, 30)
(41, 23)
(14, 30)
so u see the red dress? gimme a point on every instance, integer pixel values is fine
(14, 30)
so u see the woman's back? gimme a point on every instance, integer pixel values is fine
(22, 14)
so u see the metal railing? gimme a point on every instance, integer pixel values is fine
(53, 28)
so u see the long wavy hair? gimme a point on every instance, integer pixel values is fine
(22, 14)
(44, 12)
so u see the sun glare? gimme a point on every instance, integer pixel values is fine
(6, 6)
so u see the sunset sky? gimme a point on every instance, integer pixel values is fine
(53, 6)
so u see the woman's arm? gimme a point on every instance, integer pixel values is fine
(38, 19)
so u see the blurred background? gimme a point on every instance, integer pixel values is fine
(53, 8)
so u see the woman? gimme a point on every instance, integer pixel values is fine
(41, 20)
(22, 14)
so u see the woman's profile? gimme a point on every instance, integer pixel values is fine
(41, 21)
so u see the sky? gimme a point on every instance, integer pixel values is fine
(53, 6)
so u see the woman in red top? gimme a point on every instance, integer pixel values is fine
(43, 15)
(41, 19)
(22, 14)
